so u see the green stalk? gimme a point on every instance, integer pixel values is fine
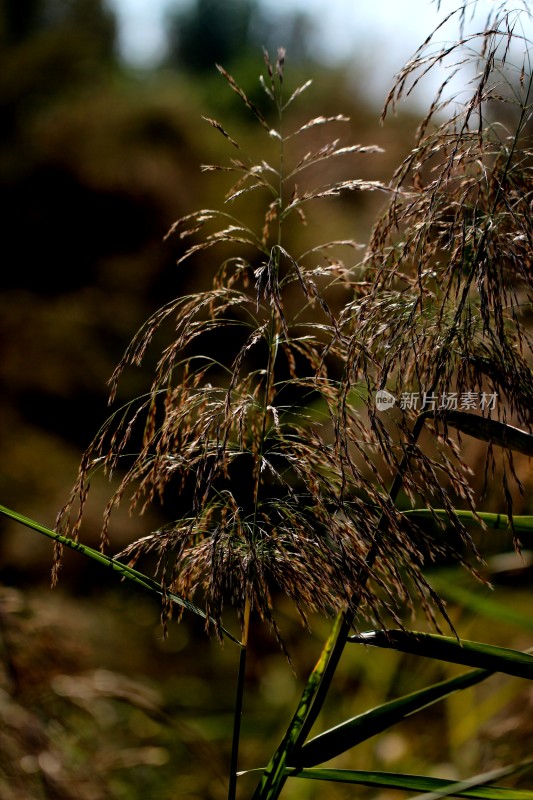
(232, 787)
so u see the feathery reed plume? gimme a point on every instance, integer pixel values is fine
(261, 416)
(449, 262)
(248, 434)
(267, 508)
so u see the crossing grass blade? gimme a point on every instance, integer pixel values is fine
(445, 648)
(111, 563)
(482, 779)
(490, 430)
(352, 732)
(419, 783)
(521, 524)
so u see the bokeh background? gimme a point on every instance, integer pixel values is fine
(101, 142)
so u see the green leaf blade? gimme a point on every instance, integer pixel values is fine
(521, 524)
(414, 783)
(352, 732)
(445, 648)
(111, 563)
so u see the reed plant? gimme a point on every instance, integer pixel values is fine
(304, 430)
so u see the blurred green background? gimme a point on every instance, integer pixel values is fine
(97, 159)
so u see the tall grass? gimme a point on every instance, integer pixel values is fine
(306, 419)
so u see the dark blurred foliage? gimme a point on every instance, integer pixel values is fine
(94, 167)
(96, 705)
(226, 31)
(209, 32)
(88, 20)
